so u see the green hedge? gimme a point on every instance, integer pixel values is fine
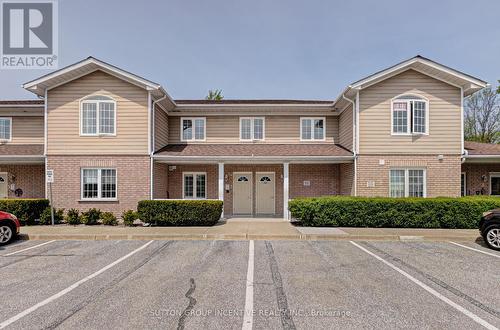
(180, 212)
(26, 210)
(464, 212)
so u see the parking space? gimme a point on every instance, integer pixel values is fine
(206, 284)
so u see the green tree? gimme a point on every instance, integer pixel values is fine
(498, 88)
(215, 95)
(482, 117)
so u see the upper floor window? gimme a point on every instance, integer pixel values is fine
(5, 129)
(98, 116)
(312, 129)
(251, 129)
(193, 129)
(410, 115)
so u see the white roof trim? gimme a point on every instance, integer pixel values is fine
(402, 65)
(91, 60)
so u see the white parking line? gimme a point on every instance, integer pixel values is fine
(31, 247)
(69, 289)
(431, 290)
(480, 251)
(248, 316)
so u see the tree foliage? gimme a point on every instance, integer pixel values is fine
(215, 95)
(482, 117)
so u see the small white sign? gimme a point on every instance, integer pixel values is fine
(370, 184)
(307, 183)
(50, 176)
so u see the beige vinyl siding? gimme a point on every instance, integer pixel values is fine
(64, 120)
(278, 129)
(27, 130)
(345, 128)
(161, 128)
(444, 116)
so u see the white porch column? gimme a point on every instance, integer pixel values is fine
(221, 184)
(285, 191)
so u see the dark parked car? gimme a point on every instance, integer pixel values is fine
(9, 227)
(489, 226)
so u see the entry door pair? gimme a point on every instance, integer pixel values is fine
(243, 193)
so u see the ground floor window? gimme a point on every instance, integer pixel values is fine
(463, 185)
(407, 182)
(495, 184)
(194, 185)
(98, 183)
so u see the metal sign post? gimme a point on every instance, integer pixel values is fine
(50, 180)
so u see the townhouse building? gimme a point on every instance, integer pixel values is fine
(113, 138)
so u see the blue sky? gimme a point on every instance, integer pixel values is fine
(271, 48)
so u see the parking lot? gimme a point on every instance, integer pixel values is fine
(248, 284)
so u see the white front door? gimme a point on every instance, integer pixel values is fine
(4, 181)
(264, 193)
(242, 193)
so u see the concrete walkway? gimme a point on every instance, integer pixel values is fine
(245, 230)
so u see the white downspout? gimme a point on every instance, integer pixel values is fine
(152, 141)
(45, 138)
(354, 142)
(462, 136)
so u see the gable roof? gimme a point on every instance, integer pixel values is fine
(89, 65)
(468, 83)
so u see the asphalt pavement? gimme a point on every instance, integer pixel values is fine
(222, 284)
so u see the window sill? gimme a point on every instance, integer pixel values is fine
(409, 134)
(98, 201)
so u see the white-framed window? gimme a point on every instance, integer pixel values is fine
(98, 183)
(312, 128)
(495, 183)
(5, 129)
(193, 129)
(97, 116)
(252, 128)
(194, 185)
(463, 184)
(409, 115)
(407, 182)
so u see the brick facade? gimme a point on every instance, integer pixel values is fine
(324, 179)
(174, 190)
(29, 178)
(477, 177)
(132, 181)
(160, 180)
(346, 171)
(443, 176)
(313, 180)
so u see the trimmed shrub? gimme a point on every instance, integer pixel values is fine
(73, 217)
(91, 217)
(180, 212)
(46, 219)
(129, 217)
(441, 212)
(109, 219)
(26, 210)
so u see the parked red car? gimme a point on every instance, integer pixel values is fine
(9, 227)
